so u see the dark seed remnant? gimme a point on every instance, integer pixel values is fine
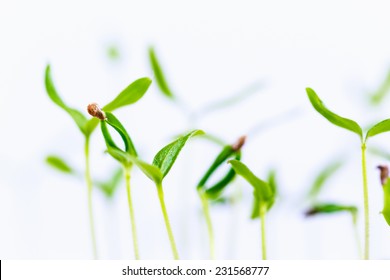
(311, 212)
(240, 142)
(95, 111)
(384, 175)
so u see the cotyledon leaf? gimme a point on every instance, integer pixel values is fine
(59, 164)
(151, 171)
(110, 186)
(76, 115)
(332, 117)
(129, 95)
(166, 157)
(159, 74)
(330, 208)
(386, 201)
(323, 176)
(382, 91)
(262, 190)
(381, 127)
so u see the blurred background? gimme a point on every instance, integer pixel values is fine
(269, 51)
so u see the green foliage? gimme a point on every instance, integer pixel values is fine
(214, 191)
(110, 186)
(380, 127)
(166, 157)
(332, 117)
(331, 208)
(377, 97)
(386, 201)
(59, 164)
(323, 177)
(159, 74)
(129, 95)
(264, 194)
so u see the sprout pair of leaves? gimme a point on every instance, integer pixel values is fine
(345, 123)
(228, 152)
(167, 92)
(108, 187)
(129, 95)
(264, 193)
(163, 160)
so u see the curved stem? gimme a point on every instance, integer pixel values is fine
(132, 216)
(206, 211)
(366, 211)
(166, 220)
(263, 242)
(90, 189)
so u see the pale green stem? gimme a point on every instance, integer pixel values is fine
(90, 189)
(356, 233)
(366, 212)
(262, 223)
(131, 211)
(206, 211)
(166, 220)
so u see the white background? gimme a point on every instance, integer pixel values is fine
(209, 50)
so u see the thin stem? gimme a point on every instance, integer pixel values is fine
(206, 212)
(90, 189)
(356, 233)
(366, 212)
(131, 211)
(262, 223)
(166, 220)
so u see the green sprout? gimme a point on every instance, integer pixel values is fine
(384, 175)
(162, 163)
(213, 192)
(351, 125)
(380, 93)
(117, 153)
(264, 194)
(129, 95)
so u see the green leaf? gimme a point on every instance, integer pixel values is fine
(263, 192)
(129, 95)
(323, 177)
(115, 123)
(166, 157)
(330, 208)
(386, 202)
(383, 126)
(214, 191)
(76, 115)
(110, 186)
(151, 171)
(59, 164)
(332, 117)
(159, 74)
(378, 96)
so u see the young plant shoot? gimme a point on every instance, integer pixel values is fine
(264, 194)
(384, 175)
(118, 154)
(129, 95)
(213, 193)
(351, 125)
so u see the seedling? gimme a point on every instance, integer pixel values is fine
(351, 125)
(264, 195)
(129, 95)
(162, 163)
(213, 193)
(116, 153)
(384, 175)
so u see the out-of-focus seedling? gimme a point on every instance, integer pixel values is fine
(264, 195)
(378, 95)
(129, 95)
(351, 125)
(213, 192)
(384, 176)
(59, 164)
